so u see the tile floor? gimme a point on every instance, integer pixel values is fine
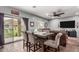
(13, 47)
(72, 46)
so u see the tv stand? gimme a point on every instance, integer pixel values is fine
(72, 33)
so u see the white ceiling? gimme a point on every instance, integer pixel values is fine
(42, 11)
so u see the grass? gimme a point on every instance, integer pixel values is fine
(12, 32)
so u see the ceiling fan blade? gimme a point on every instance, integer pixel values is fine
(57, 14)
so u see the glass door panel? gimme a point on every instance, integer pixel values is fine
(8, 30)
(17, 29)
(12, 29)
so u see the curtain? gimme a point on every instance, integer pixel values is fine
(1, 29)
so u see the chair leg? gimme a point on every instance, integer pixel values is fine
(55, 49)
(44, 48)
(34, 48)
(36, 45)
(29, 47)
(39, 45)
(58, 48)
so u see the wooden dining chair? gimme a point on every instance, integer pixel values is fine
(53, 43)
(25, 40)
(34, 43)
(47, 30)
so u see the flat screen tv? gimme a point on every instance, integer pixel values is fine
(67, 24)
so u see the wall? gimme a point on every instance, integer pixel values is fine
(55, 24)
(33, 18)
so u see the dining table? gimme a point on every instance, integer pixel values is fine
(43, 36)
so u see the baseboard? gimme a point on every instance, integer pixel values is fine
(13, 42)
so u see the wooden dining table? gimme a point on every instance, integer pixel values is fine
(42, 36)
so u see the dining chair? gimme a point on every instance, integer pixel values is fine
(53, 43)
(25, 40)
(46, 30)
(34, 43)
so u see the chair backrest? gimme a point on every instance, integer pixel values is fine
(46, 30)
(32, 38)
(25, 36)
(57, 38)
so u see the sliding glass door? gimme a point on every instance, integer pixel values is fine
(8, 30)
(12, 29)
(16, 29)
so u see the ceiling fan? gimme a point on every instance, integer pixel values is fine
(58, 13)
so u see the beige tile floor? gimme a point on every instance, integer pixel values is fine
(72, 46)
(13, 47)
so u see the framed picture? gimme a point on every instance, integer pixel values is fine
(32, 24)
